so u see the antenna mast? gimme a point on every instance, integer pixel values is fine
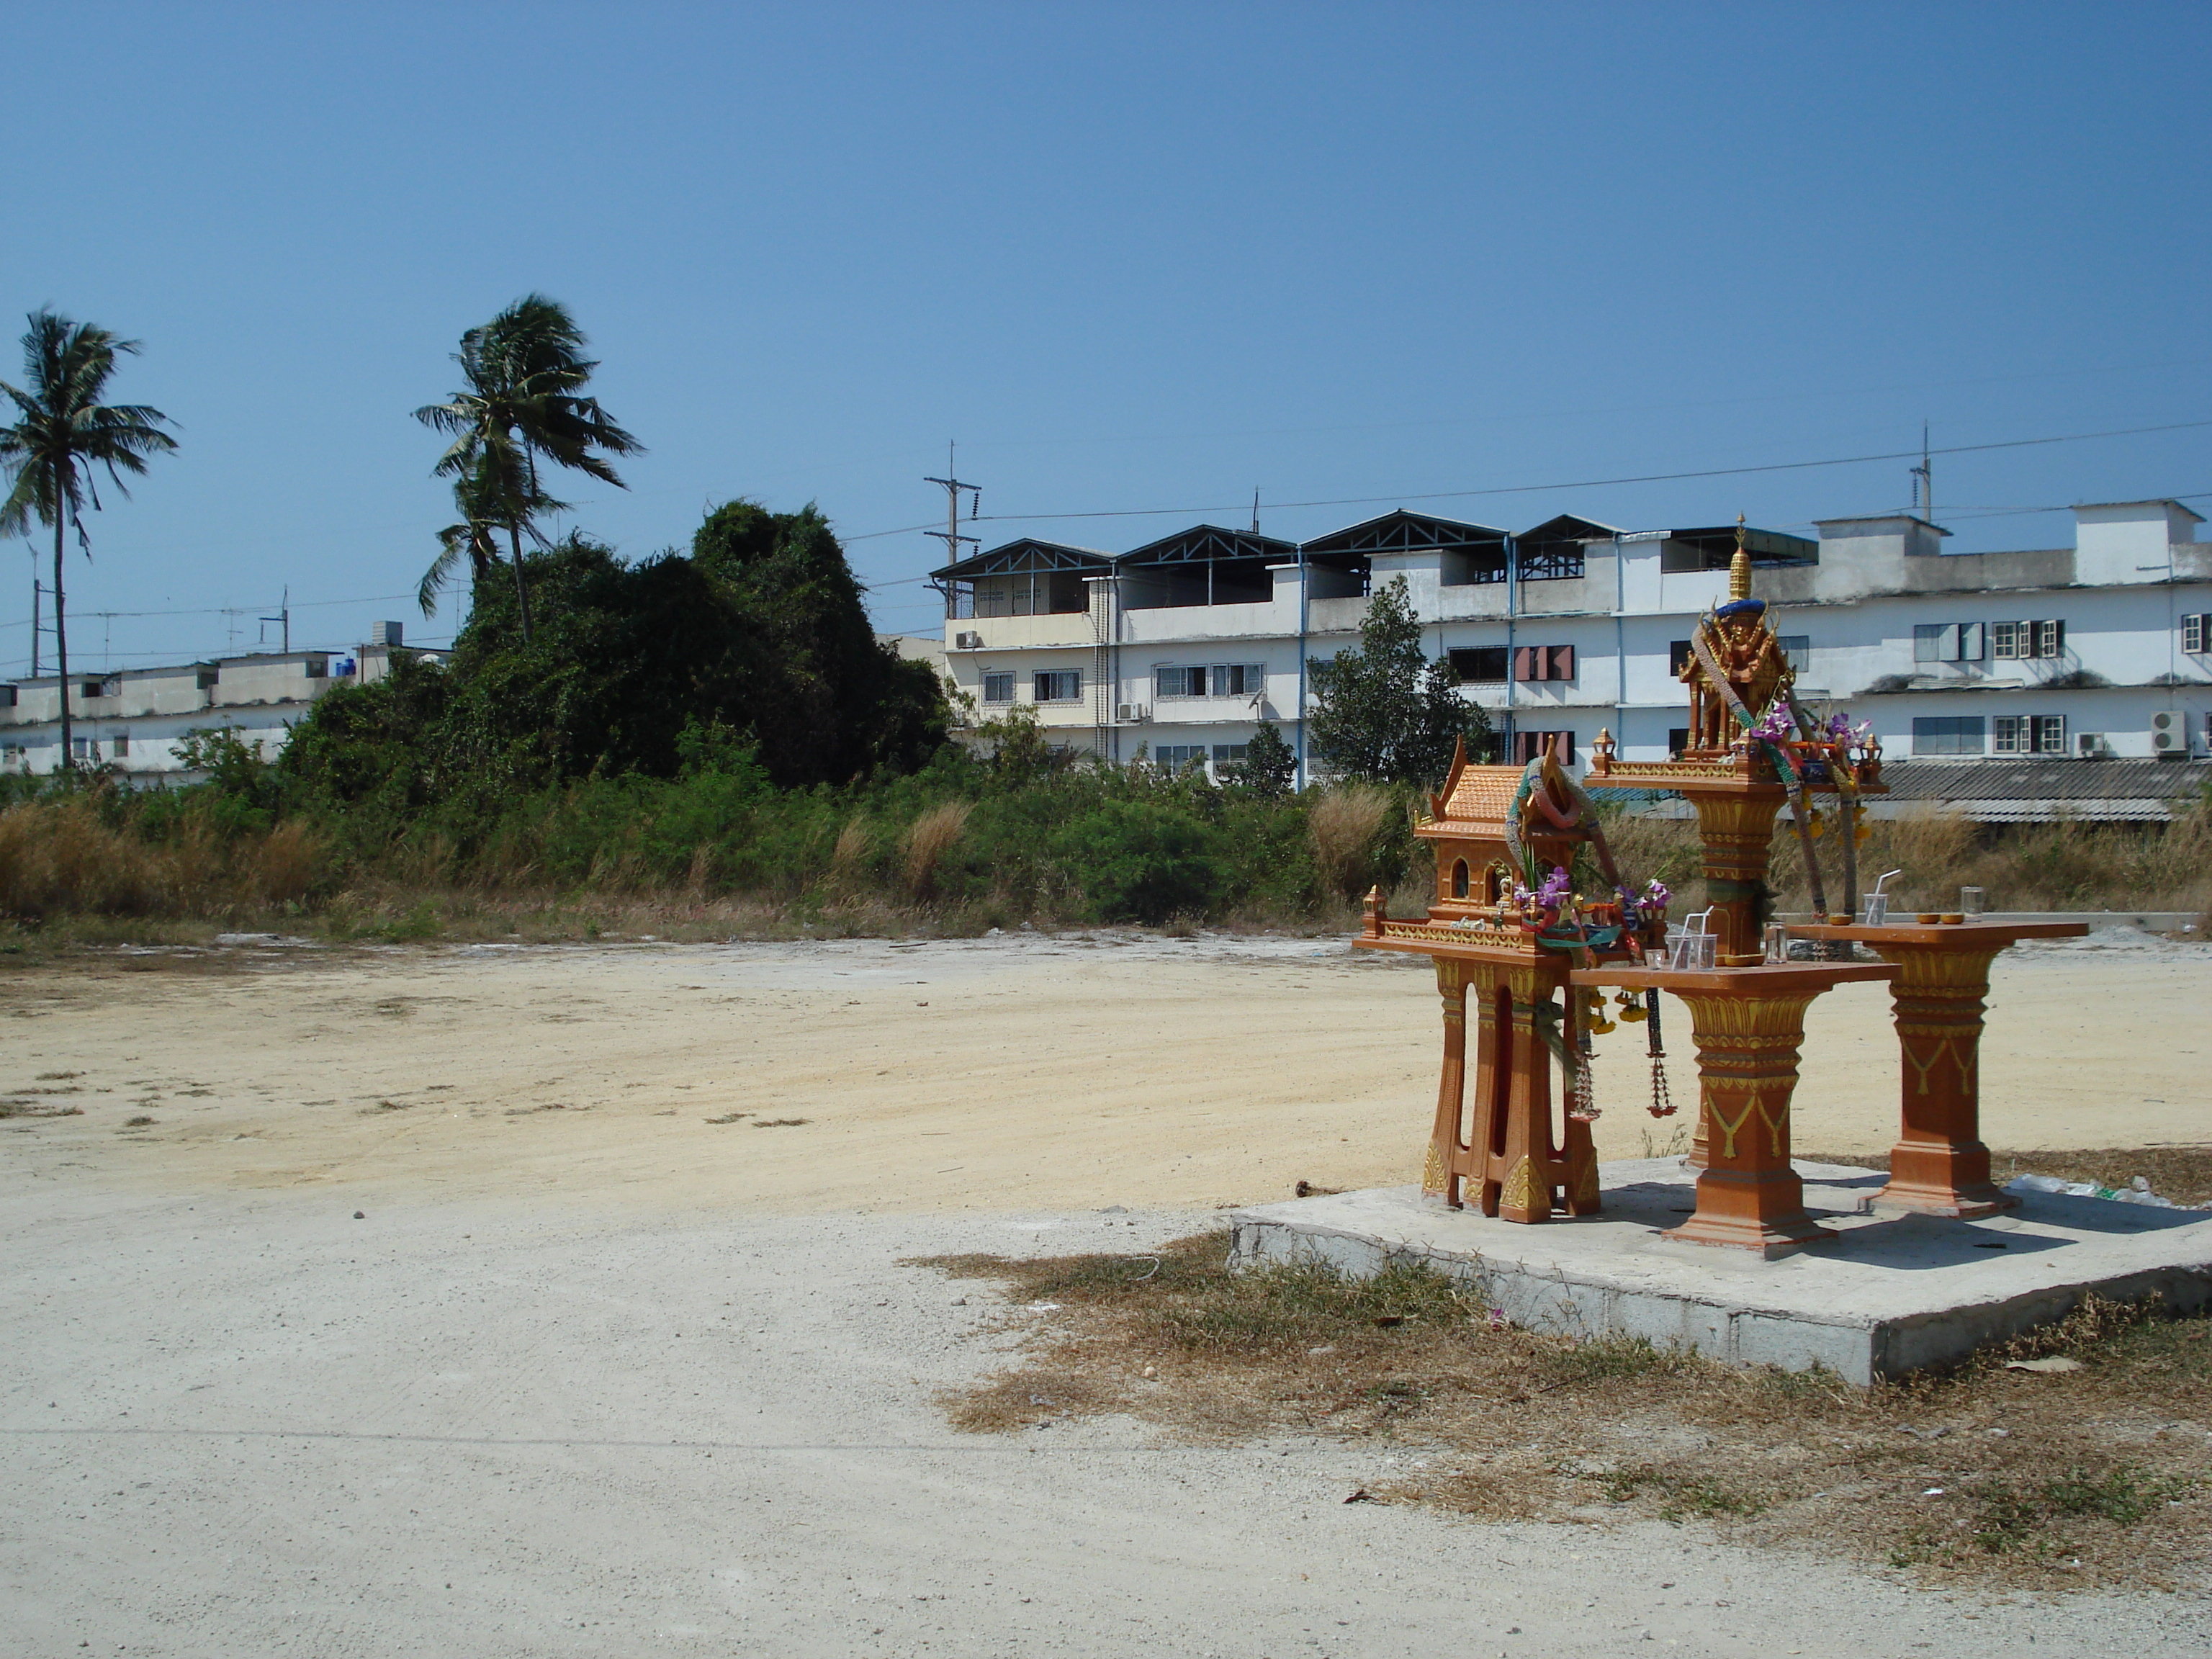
(283, 615)
(950, 535)
(1923, 480)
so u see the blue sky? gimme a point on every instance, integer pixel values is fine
(1130, 256)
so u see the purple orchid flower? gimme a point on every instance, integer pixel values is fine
(1557, 890)
(1775, 724)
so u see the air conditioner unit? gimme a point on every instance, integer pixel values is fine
(1130, 714)
(2169, 734)
(968, 642)
(2091, 745)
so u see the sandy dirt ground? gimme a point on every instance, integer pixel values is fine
(593, 1375)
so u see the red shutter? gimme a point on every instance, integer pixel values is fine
(1524, 662)
(1563, 662)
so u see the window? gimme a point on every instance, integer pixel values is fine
(2196, 635)
(2050, 734)
(210, 678)
(7, 696)
(2015, 640)
(1481, 665)
(1946, 641)
(998, 687)
(1029, 593)
(2014, 734)
(1947, 734)
(1233, 679)
(1527, 745)
(1678, 740)
(1798, 647)
(1173, 756)
(318, 668)
(82, 747)
(1678, 657)
(1059, 686)
(1228, 754)
(1553, 563)
(120, 744)
(93, 688)
(1544, 662)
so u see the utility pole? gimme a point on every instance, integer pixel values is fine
(283, 615)
(1923, 480)
(38, 593)
(950, 535)
(1256, 511)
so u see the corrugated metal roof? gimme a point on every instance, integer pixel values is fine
(2045, 791)
(2045, 779)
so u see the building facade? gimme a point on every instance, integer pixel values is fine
(138, 719)
(1178, 649)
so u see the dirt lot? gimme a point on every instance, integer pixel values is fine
(595, 1373)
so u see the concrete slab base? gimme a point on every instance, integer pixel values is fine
(1898, 1291)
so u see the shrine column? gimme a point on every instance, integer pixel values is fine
(1450, 1134)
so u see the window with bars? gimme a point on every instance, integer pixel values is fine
(1527, 745)
(1231, 679)
(1059, 685)
(998, 687)
(1479, 664)
(1947, 734)
(2022, 640)
(1946, 641)
(1544, 662)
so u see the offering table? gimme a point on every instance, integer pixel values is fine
(1939, 1165)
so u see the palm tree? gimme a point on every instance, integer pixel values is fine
(526, 372)
(63, 431)
(476, 498)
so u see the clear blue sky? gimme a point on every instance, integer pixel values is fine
(1130, 256)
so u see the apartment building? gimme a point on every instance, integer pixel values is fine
(138, 719)
(1177, 649)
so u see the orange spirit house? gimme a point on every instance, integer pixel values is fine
(1509, 950)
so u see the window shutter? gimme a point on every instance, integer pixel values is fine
(1524, 667)
(1563, 662)
(1970, 643)
(1948, 652)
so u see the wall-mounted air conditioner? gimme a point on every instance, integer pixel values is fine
(2091, 745)
(2169, 734)
(1130, 714)
(968, 642)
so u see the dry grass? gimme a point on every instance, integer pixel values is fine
(2036, 867)
(2092, 1478)
(1345, 828)
(59, 857)
(849, 858)
(928, 839)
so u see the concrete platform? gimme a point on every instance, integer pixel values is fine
(1898, 1293)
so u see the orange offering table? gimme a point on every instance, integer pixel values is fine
(1939, 1165)
(1749, 1024)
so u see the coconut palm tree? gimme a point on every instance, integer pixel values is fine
(61, 432)
(526, 372)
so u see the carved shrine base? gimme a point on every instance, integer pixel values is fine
(1939, 1165)
(1498, 1150)
(1749, 1024)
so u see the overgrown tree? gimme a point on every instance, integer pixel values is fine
(525, 371)
(1383, 710)
(1270, 766)
(61, 432)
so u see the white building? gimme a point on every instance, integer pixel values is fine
(2097, 651)
(138, 719)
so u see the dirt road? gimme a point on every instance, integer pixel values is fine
(591, 1375)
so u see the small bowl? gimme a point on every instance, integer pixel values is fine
(1928, 918)
(1953, 918)
(1838, 918)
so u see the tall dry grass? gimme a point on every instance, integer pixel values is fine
(849, 858)
(928, 839)
(2029, 866)
(1344, 829)
(59, 857)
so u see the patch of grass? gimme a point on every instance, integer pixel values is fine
(728, 1117)
(2039, 1480)
(139, 1122)
(780, 1122)
(35, 1108)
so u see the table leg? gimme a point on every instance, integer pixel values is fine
(1445, 1142)
(1749, 1197)
(1939, 1165)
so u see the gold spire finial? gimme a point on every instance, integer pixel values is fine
(1739, 566)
